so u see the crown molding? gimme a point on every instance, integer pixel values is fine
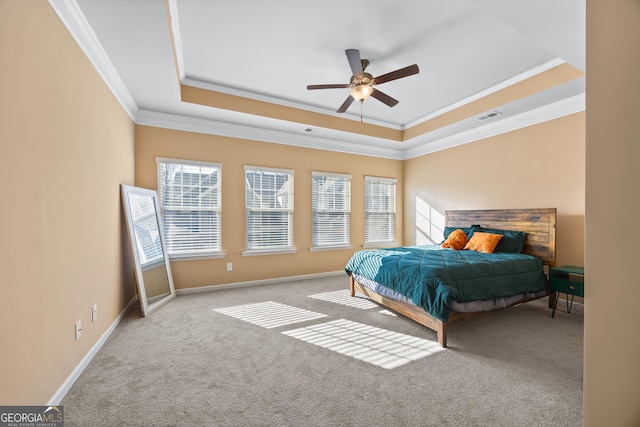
(493, 89)
(214, 87)
(174, 20)
(555, 110)
(211, 127)
(542, 114)
(74, 20)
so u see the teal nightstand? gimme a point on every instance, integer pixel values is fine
(569, 280)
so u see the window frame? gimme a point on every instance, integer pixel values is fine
(370, 211)
(316, 211)
(288, 247)
(216, 209)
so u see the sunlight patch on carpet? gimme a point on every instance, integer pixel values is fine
(269, 314)
(344, 297)
(379, 347)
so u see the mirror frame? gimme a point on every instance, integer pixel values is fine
(142, 294)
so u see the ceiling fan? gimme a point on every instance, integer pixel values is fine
(362, 83)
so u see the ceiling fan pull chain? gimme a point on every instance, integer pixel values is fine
(361, 102)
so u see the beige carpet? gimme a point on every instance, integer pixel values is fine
(295, 354)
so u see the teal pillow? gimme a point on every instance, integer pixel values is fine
(467, 230)
(512, 241)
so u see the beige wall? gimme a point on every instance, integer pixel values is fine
(612, 281)
(540, 166)
(65, 147)
(234, 154)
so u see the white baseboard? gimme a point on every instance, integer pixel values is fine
(75, 374)
(257, 282)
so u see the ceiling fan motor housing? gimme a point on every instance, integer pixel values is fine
(366, 79)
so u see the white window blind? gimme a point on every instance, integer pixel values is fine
(380, 210)
(269, 209)
(190, 201)
(331, 205)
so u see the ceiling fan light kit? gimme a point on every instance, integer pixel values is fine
(362, 84)
(361, 91)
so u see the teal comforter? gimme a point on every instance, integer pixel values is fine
(431, 276)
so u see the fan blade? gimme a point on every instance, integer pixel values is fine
(345, 104)
(397, 74)
(384, 98)
(336, 86)
(353, 56)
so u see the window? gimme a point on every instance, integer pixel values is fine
(379, 211)
(269, 210)
(190, 200)
(331, 205)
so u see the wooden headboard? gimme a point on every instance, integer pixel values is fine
(538, 224)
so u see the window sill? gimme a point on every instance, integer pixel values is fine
(330, 248)
(257, 252)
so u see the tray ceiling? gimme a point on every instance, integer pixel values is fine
(241, 68)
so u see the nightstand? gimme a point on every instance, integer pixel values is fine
(567, 279)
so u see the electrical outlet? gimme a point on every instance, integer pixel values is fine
(229, 266)
(78, 329)
(94, 312)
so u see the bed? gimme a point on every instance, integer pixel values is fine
(435, 286)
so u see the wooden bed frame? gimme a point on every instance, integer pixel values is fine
(539, 226)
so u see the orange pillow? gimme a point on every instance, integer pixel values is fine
(456, 240)
(483, 242)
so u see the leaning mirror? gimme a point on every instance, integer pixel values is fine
(153, 271)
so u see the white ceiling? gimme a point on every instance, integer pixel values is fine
(271, 50)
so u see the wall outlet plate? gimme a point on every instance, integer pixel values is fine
(94, 312)
(78, 329)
